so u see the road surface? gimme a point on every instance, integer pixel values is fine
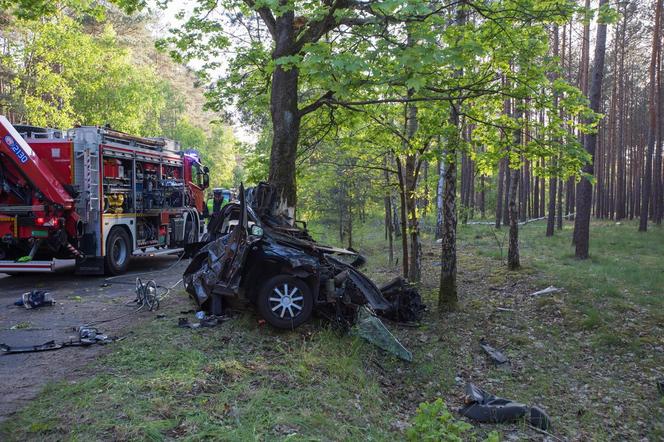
(79, 300)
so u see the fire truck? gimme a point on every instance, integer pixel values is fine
(94, 195)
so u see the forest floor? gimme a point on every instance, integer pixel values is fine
(590, 355)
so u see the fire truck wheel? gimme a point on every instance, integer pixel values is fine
(118, 250)
(190, 230)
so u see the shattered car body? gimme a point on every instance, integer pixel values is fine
(253, 253)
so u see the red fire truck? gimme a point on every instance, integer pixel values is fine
(95, 195)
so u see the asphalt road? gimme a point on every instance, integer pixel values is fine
(79, 300)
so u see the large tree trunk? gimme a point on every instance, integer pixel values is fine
(652, 127)
(448, 297)
(585, 190)
(285, 116)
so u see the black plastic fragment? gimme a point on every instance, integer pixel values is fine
(485, 407)
(497, 357)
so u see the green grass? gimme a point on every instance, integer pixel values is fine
(623, 276)
(588, 354)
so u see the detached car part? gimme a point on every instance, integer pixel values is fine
(485, 407)
(253, 253)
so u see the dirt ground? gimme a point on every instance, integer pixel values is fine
(79, 300)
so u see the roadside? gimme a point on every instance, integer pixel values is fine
(79, 300)
(594, 373)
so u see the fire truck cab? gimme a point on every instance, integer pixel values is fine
(95, 195)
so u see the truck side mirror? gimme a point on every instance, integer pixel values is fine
(206, 180)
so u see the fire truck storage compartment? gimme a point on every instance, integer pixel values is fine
(150, 232)
(118, 193)
(157, 187)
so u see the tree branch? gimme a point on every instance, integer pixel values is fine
(267, 17)
(315, 30)
(316, 104)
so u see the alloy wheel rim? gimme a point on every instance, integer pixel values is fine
(286, 302)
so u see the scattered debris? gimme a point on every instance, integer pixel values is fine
(484, 407)
(372, 329)
(503, 309)
(146, 294)
(35, 299)
(20, 326)
(90, 335)
(205, 321)
(496, 356)
(546, 291)
(86, 336)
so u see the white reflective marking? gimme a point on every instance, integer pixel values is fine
(291, 311)
(297, 298)
(297, 306)
(275, 299)
(276, 307)
(283, 310)
(278, 292)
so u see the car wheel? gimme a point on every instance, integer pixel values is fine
(285, 302)
(118, 251)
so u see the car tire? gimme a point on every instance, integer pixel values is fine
(118, 252)
(285, 302)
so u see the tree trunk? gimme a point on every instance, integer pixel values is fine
(448, 297)
(584, 189)
(439, 197)
(551, 216)
(652, 127)
(499, 195)
(404, 219)
(513, 260)
(411, 170)
(285, 116)
(553, 181)
(389, 227)
(506, 202)
(559, 210)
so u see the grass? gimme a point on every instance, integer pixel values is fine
(589, 355)
(623, 277)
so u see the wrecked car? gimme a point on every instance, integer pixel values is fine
(252, 252)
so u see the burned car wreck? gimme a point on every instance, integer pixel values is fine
(254, 254)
